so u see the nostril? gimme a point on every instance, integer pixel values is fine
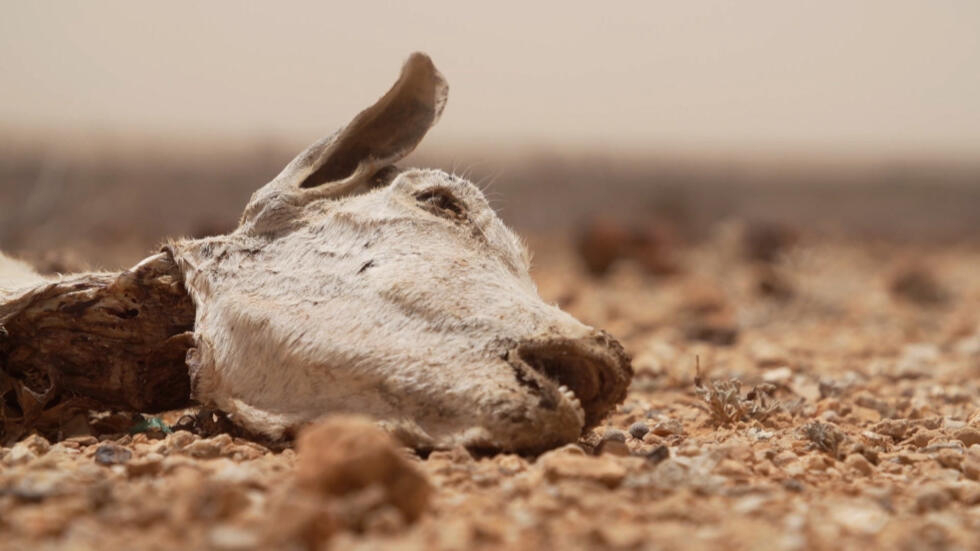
(595, 369)
(559, 363)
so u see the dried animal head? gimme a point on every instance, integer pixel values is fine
(353, 286)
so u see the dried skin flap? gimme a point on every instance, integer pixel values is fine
(118, 340)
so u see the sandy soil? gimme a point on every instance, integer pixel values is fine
(821, 395)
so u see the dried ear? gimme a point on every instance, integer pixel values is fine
(378, 136)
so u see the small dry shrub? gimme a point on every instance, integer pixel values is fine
(724, 402)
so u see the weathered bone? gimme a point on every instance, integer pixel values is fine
(349, 286)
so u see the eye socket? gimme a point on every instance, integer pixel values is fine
(441, 202)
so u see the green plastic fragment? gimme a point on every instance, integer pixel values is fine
(149, 424)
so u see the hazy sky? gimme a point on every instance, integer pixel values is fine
(878, 76)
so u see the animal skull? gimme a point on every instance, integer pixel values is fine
(352, 286)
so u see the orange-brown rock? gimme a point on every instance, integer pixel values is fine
(341, 455)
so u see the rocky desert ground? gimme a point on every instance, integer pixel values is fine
(793, 390)
(789, 394)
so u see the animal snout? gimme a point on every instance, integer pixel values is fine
(595, 369)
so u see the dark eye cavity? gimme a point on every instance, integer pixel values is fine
(441, 202)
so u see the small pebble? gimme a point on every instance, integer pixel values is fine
(598, 469)
(19, 455)
(180, 439)
(859, 463)
(658, 454)
(638, 430)
(232, 538)
(896, 428)
(110, 454)
(793, 485)
(203, 449)
(931, 498)
(614, 434)
(614, 443)
(668, 427)
(778, 375)
(968, 435)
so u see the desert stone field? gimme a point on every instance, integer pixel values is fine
(460, 276)
(792, 389)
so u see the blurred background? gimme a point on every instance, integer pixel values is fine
(124, 123)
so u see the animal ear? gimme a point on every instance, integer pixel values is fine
(378, 136)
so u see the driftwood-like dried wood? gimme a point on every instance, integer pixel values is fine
(118, 339)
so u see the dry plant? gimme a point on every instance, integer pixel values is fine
(724, 402)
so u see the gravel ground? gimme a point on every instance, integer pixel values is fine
(823, 396)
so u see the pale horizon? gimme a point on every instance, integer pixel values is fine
(879, 78)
